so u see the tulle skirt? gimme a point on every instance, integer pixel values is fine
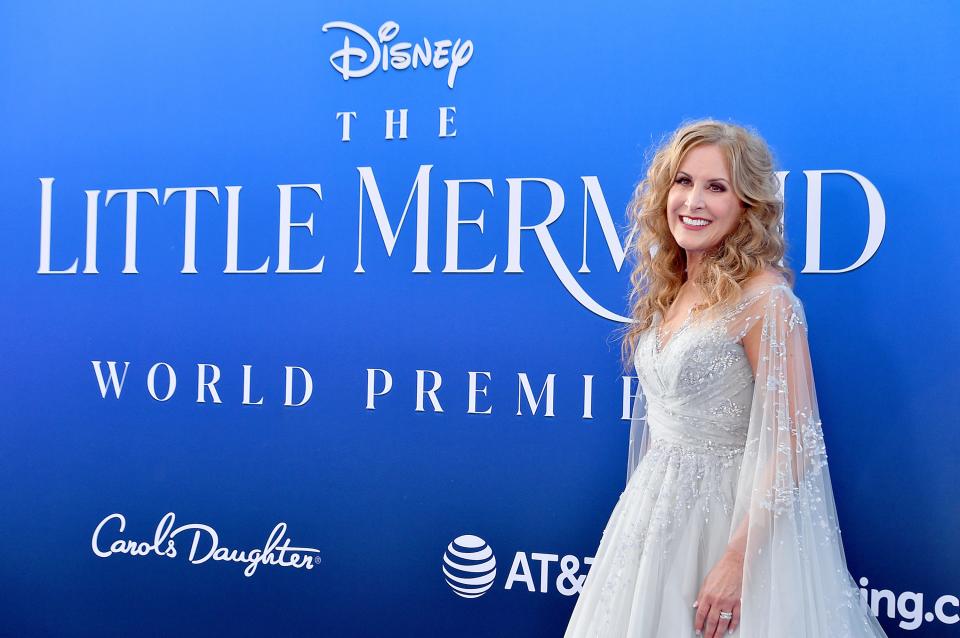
(667, 531)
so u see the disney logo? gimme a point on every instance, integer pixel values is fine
(398, 56)
(206, 546)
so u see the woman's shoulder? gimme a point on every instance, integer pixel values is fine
(767, 293)
(766, 278)
(761, 288)
(764, 283)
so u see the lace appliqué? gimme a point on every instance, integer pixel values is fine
(728, 408)
(709, 359)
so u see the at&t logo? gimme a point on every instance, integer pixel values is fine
(469, 566)
(470, 569)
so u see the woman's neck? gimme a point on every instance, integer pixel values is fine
(694, 261)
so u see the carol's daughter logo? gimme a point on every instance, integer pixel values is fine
(204, 545)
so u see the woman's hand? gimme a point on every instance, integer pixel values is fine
(720, 592)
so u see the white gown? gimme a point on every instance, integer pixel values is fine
(710, 448)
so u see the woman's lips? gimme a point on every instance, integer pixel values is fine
(691, 226)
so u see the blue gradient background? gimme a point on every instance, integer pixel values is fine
(113, 95)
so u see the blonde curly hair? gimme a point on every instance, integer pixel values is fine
(754, 247)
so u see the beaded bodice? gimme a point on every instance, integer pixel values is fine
(698, 385)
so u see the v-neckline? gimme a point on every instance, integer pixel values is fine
(658, 345)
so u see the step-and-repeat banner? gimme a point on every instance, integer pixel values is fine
(305, 304)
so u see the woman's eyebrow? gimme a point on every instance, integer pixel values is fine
(714, 179)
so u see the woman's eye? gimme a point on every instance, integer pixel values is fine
(716, 188)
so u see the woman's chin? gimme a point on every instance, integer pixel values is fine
(693, 246)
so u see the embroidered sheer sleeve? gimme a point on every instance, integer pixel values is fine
(795, 577)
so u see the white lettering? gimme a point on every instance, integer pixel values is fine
(875, 225)
(246, 386)
(276, 550)
(394, 56)
(421, 186)
(116, 384)
(371, 385)
(432, 392)
(307, 390)
(283, 261)
(130, 262)
(473, 390)
(524, 387)
(454, 222)
(171, 383)
(190, 222)
(233, 235)
(203, 384)
(345, 124)
(46, 214)
(520, 572)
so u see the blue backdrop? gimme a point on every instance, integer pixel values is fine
(524, 114)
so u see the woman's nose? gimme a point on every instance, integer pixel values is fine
(695, 199)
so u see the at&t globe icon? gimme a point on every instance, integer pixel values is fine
(469, 566)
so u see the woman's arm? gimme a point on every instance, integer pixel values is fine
(751, 344)
(766, 327)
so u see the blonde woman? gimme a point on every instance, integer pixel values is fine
(727, 525)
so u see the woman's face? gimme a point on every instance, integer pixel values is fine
(701, 192)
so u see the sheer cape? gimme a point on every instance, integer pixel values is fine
(795, 577)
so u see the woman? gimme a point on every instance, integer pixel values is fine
(727, 524)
